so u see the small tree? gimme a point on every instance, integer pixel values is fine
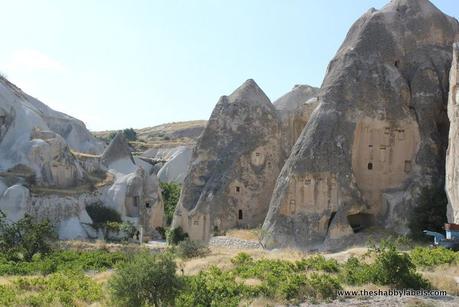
(145, 280)
(25, 238)
(175, 235)
(130, 134)
(429, 214)
(103, 217)
(171, 195)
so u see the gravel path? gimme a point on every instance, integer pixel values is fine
(233, 242)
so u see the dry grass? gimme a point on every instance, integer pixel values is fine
(245, 234)
(442, 277)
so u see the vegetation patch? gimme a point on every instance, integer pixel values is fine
(171, 195)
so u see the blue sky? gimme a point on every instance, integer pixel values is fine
(117, 64)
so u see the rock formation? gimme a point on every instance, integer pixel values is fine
(52, 153)
(295, 109)
(452, 163)
(136, 193)
(378, 135)
(176, 168)
(233, 166)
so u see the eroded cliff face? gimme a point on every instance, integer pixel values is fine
(452, 163)
(233, 166)
(295, 109)
(378, 135)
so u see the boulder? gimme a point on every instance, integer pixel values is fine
(233, 166)
(14, 202)
(378, 135)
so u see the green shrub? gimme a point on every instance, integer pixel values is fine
(191, 249)
(104, 218)
(101, 214)
(429, 257)
(57, 261)
(392, 267)
(175, 235)
(130, 134)
(429, 214)
(213, 287)
(25, 238)
(63, 288)
(171, 195)
(355, 272)
(318, 263)
(145, 280)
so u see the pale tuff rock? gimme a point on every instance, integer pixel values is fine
(378, 134)
(175, 169)
(452, 166)
(118, 149)
(20, 113)
(136, 193)
(233, 166)
(295, 109)
(14, 202)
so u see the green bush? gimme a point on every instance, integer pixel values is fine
(318, 263)
(191, 249)
(213, 287)
(429, 214)
(175, 235)
(130, 134)
(101, 214)
(390, 267)
(145, 280)
(429, 257)
(64, 260)
(104, 218)
(171, 195)
(61, 289)
(25, 238)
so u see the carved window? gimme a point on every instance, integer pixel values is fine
(387, 130)
(147, 205)
(370, 166)
(307, 181)
(238, 189)
(257, 154)
(240, 214)
(407, 166)
(401, 134)
(196, 222)
(396, 63)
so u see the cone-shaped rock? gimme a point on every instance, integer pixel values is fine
(233, 166)
(118, 149)
(378, 135)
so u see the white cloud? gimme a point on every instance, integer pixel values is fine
(32, 59)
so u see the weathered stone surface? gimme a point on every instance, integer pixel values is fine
(21, 113)
(233, 166)
(14, 202)
(295, 109)
(118, 149)
(378, 134)
(452, 162)
(175, 169)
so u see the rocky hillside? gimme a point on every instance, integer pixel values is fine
(168, 135)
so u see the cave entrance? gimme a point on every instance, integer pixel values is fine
(332, 215)
(360, 221)
(240, 214)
